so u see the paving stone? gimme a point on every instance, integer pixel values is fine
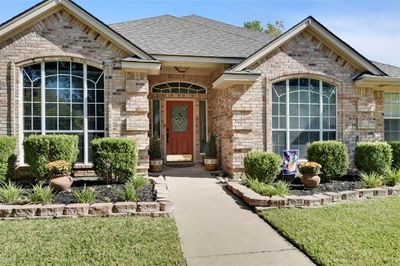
(335, 196)
(78, 209)
(148, 207)
(311, 201)
(294, 201)
(24, 210)
(395, 191)
(277, 201)
(124, 207)
(380, 192)
(166, 206)
(102, 209)
(349, 195)
(50, 210)
(6, 210)
(366, 192)
(325, 199)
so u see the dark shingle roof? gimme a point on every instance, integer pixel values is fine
(192, 36)
(392, 71)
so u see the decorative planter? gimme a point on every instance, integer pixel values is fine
(156, 165)
(211, 164)
(61, 182)
(310, 180)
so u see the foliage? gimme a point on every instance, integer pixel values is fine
(138, 181)
(211, 147)
(59, 167)
(115, 159)
(273, 29)
(41, 149)
(40, 194)
(155, 148)
(129, 192)
(372, 180)
(86, 195)
(263, 166)
(310, 168)
(356, 233)
(91, 241)
(10, 193)
(396, 153)
(373, 157)
(279, 188)
(7, 157)
(391, 177)
(331, 155)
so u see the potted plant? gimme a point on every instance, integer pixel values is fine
(155, 154)
(211, 159)
(310, 174)
(59, 175)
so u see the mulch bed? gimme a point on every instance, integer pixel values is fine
(105, 193)
(345, 183)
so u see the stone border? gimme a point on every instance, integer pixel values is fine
(161, 207)
(260, 203)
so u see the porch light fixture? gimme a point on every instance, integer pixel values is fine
(181, 69)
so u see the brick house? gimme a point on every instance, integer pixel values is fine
(180, 78)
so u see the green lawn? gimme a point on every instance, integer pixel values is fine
(358, 233)
(91, 241)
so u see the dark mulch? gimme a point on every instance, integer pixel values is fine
(105, 193)
(345, 183)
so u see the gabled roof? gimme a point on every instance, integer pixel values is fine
(48, 7)
(191, 36)
(327, 36)
(390, 70)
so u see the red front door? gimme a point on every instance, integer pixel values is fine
(179, 131)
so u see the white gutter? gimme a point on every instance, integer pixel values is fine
(232, 78)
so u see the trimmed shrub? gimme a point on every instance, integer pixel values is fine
(263, 166)
(331, 155)
(396, 153)
(115, 159)
(211, 147)
(42, 149)
(7, 157)
(155, 148)
(373, 157)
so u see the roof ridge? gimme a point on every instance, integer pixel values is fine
(215, 28)
(141, 19)
(241, 28)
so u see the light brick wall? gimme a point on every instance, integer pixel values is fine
(62, 37)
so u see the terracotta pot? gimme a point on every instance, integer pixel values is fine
(156, 165)
(211, 164)
(310, 180)
(61, 182)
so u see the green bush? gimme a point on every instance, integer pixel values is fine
(391, 177)
(42, 149)
(41, 194)
(263, 166)
(7, 157)
(155, 148)
(138, 181)
(396, 153)
(211, 147)
(277, 189)
(115, 159)
(373, 157)
(372, 180)
(86, 195)
(331, 155)
(10, 193)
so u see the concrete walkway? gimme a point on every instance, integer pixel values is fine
(218, 229)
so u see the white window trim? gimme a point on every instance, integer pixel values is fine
(43, 130)
(321, 130)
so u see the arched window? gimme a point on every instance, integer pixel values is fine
(303, 111)
(178, 87)
(64, 98)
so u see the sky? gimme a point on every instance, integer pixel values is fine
(372, 27)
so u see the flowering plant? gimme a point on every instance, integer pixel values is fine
(310, 168)
(59, 167)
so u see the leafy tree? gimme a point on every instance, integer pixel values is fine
(274, 29)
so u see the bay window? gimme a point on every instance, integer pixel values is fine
(63, 97)
(303, 111)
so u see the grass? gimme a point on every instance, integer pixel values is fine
(279, 188)
(359, 233)
(91, 241)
